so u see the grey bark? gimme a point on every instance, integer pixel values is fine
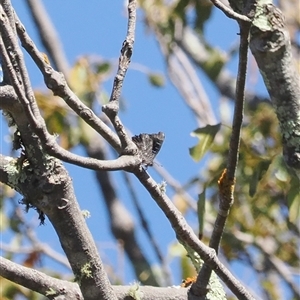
(271, 46)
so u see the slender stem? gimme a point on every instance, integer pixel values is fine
(56, 82)
(112, 108)
(186, 236)
(227, 179)
(230, 13)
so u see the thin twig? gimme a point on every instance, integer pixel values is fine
(16, 74)
(176, 186)
(230, 13)
(48, 141)
(17, 60)
(37, 122)
(55, 81)
(186, 236)
(112, 108)
(38, 281)
(145, 225)
(227, 180)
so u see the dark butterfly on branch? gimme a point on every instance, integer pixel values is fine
(148, 145)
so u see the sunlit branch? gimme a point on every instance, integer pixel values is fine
(230, 13)
(227, 180)
(145, 225)
(120, 219)
(38, 124)
(49, 142)
(112, 108)
(271, 46)
(55, 81)
(38, 281)
(186, 236)
(176, 186)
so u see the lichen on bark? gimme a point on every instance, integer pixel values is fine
(270, 44)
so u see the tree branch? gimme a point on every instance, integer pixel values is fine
(112, 108)
(227, 180)
(39, 282)
(271, 47)
(56, 289)
(229, 12)
(146, 227)
(55, 81)
(186, 236)
(38, 124)
(52, 193)
(18, 77)
(121, 222)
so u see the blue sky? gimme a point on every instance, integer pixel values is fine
(99, 28)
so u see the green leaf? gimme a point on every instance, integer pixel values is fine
(203, 12)
(294, 200)
(258, 173)
(156, 79)
(103, 67)
(206, 137)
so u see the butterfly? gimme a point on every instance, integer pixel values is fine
(148, 145)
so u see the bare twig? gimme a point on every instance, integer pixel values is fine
(230, 13)
(227, 180)
(18, 77)
(145, 225)
(176, 186)
(121, 220)
(18, 67)
(38, 281)
(56, 82)
(56, 289)
(112, 108)
(38, 124)
(186, 236)
(8, 10)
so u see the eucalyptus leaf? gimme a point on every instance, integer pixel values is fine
(294, 200)
(156, 79)
(206, 137)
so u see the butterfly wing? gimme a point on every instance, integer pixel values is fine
(157, 141)
(148, 145)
